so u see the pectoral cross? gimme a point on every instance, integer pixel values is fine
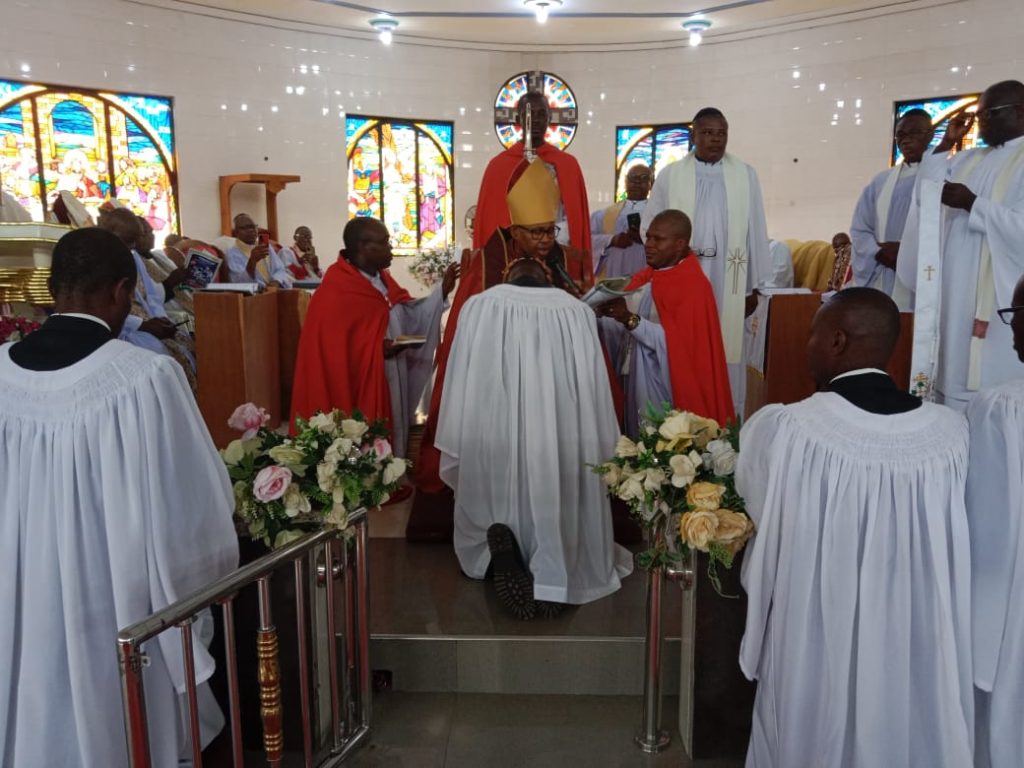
(929, 270)
(737, 264)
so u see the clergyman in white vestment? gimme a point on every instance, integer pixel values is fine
(618, 249)
(526, 407)
(858, 577)
(995, 510)
(115, 504)
(881, 212)
(722, 196)
(982, 228)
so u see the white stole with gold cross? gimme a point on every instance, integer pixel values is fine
(683, 194)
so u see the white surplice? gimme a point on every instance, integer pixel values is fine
(1002, 226)
(115, 504)
(865, 230)
(526, 407)
(710, 240)
(780, 274)
(610, 261)
(409, 371)
(995, 509)
(858, 579)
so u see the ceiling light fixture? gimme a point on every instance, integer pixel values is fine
(542, 8)
(696, 28)
(384, 26)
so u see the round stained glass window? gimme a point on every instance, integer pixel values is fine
(561, 102)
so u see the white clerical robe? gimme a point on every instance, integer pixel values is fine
(526, 407)
(858, 581)
(610, 261)
(270, 269)
(115, 504)
(780, 274)
(995, 509)
(866, 233)
(409, 371)
(710, 240)
(1001, 226)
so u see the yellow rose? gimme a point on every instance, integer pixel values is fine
(698, 529)
(705, 496)
(676, 432)
(704, 430)
(734, 528)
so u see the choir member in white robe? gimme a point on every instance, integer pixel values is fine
(858, 577)
(995, 509)
(618, 249)
(112, 510)
(982, 223)
(722, 196)
(882, 208)
(526, 407)
(781, 273)
(250, 261)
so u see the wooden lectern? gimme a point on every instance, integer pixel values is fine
(787, 376)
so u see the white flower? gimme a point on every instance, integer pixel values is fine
(287, 536)
(234, 453)
(613, 475)
(325, 475)
(295, 501)
(625, 448)
(324, 422)
(353, 429)
(393, 471)
(653, 479)
(338, 516)
(723, 457)
(684, 468)
(338, 450)
(676, 426)
(632, 487)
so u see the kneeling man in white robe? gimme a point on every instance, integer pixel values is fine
(527, 405)
(858, 620)
(995, 512)
(115, 505)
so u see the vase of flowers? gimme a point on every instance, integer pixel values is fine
(428, 266)
(286, 486)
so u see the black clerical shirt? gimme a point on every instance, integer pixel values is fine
(61, 341)
(872, 390)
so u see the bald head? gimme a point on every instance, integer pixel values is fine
(855, 328)
(528, 273)
(676, 224)
(123, 224)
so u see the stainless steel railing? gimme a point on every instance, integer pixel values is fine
(331, 557)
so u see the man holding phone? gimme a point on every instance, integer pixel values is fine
(617, 245)
(252, 259)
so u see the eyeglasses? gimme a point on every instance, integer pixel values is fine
(539, 233)
(987, 114)
(1006, 315)
(706, 253)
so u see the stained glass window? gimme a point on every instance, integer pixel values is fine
(401, 172)
(96, 144)
(940, 109)
(561, 103)
(652, 145)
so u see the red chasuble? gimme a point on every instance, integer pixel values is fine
(340, 363)
(686, 308)
(502, 172)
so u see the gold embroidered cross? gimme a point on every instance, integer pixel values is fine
(929, 270)
(737, 264)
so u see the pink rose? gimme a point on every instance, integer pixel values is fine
(382, 448)
(271, 483)
(247, 419)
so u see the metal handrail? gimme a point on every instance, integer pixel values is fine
(182, 613)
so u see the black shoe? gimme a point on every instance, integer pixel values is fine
(512, 580)
(549, 610)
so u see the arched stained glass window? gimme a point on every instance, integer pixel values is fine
(561, 103)
(96, 144)
(652, 145)
(940, 109)
(401, 172)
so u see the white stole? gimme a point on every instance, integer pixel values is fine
(900, 294)
(737, 193)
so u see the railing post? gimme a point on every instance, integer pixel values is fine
(135, 723)
(269, 676)
(189, 665)
(363, 620)
(651, 738)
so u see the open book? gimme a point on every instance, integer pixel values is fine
(607, 289)
(201, 268)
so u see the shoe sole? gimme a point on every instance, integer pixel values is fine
(513, 583)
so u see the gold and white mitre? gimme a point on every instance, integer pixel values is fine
(534, 198)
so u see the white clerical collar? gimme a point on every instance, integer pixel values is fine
(858, 372)
(83, 316)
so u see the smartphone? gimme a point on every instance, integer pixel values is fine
(633, 220)
(264, 238)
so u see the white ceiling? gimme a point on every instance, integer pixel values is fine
(578, 25)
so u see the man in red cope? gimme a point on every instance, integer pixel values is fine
(348, 354)
(667, 337)
(531, 207)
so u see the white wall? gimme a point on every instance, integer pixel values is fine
(206, 62)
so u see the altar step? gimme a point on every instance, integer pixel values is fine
(434, 630)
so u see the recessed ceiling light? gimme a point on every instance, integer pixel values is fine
(696, 28)
(384, 26)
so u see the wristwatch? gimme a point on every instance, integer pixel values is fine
(632, 322)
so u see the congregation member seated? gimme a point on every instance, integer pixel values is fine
(527, 406)
(115, 505)
(250, 259)
(162, 269)
(858, 578)
(300, 258)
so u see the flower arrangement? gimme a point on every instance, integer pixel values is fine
(286, 486)
(15, 328)
(677, 480)
(428, 266)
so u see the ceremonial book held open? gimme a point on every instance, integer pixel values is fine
(606, 290)
(201, 269)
